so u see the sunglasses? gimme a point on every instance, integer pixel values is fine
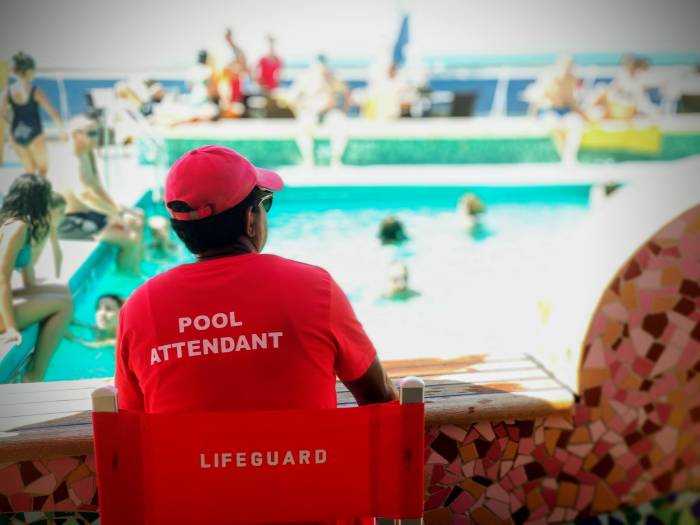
(265, 202)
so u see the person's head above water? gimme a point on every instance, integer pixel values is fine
(470, 204)
(219, 201)
(391, 230)
(107, 312)
(398, 276)
(23, 64)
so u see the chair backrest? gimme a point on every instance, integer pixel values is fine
(257, 467)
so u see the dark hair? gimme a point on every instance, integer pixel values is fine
(28, 200)
(116, 298)
(22, 62)
(391, 230)
(215, 232)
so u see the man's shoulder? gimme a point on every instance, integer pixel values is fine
(290, 267)
(140, 297)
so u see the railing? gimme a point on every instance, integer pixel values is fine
(497, 81)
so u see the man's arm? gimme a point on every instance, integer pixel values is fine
(374, 386)
(357, 364)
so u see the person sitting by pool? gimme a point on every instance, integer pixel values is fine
(469, 210)
(314, 98)
(104, 330)
(398, 289)
(626, 96)
(555, 97)
(238, 330)
(25, 225)
(26, 132)
(391, 231)
(93, 214)
(161, 245)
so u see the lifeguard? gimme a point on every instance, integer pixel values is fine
(238, 330)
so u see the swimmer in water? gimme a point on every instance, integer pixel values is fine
(391, 230)
(27, 132)
(104, 330)
(398, 288)
(469, 210)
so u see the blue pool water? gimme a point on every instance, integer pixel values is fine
(477, 293)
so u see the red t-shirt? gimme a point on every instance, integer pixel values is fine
(245, 332)
(269, 72)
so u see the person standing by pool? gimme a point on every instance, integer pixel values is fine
(25, 224)
(237, 70)
(238, 330)
(269, 68)
(26, 131)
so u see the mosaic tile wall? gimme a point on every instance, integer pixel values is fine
(633, 436)
(60, 484)
(677, 509)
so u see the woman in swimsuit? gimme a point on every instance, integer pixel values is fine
(26, 219)
(27, 134)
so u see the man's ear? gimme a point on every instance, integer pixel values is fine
(250, 222)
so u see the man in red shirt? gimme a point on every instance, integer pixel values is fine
(269, 68)
(238, 330)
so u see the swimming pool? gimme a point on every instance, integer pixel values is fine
(477, 293)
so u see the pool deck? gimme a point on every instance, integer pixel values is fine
(53, 419)
(533, 174)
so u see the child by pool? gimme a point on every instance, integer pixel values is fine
(104, 330)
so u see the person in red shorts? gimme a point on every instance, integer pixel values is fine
(269, 68)
(238, 330)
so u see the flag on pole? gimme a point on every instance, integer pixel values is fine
(399, 55)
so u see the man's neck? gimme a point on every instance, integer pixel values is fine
(241, 248)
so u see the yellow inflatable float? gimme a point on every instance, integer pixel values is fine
(645, 140)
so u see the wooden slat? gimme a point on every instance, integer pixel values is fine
(50, 408)
(53, 386)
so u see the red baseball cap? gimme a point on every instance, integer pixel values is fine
(213, 179)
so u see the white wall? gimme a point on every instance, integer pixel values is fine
(164, 34)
